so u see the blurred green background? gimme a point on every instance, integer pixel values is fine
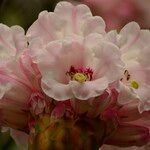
(23, 12)
(6, 142)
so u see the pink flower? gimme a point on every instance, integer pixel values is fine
(66, 20)
(20, 80)
(78, 62)
(134, 48)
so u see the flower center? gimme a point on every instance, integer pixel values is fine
(80, 74)
(134, 84)
(80, 77)
(127, 80)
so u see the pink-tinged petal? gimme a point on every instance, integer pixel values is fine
(30, 71)
(126, 94)
(21, 71)
(143, 41)
(20, 138)
(94, 25)
(112, 37)
(108, 60)
(144, 106)
(144, 56)
(17, 95)
(103, 57)
(89, 89)
(20, 41)
(18, 92)
(48, 27)
(12, 42)
(74, 16)
(144, 36)
(90, 42)
(36, 47)
(56, 90)
(93, 39)
(60, 55)
(66, 20)
(129, 36)
(130, 135)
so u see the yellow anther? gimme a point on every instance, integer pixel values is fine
(134, 84)
(80, 77)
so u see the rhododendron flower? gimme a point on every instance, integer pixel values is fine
(74, 66)
(70, 85)
(134, 49)
(67, 71)
(19, 77)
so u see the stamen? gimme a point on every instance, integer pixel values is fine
(81, 74)
(80, 77)
(126, 79)
(126, 74)
(134, 84)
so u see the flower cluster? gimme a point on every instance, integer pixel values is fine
(68, 82)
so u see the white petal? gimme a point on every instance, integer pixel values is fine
(48, 27)
(94, 25)
(129, 36)
(74, 16)
(89, 89)
(126, 94)
(56, 90)
(12, 42)
(19, 38)
(108, 60)
(112, 37)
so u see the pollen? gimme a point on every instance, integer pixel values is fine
(134, 84)
(80, 77)
(80, 74)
